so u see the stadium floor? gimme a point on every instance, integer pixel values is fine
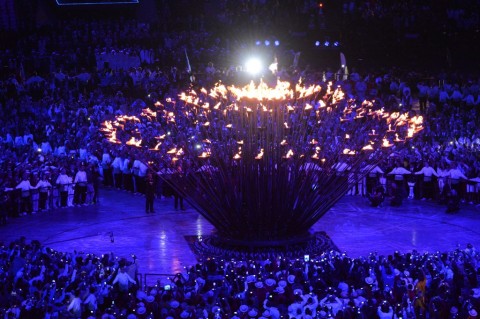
(120, 225)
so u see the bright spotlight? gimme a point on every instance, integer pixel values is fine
(277, 43)
(335, 44)
(253, 66)
(317, 43)
(267, 43)
(258, 43)
(327, 43)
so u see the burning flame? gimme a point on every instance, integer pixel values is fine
(239, 154)
(397, 138)
(386, 142)
(262, 107)
(348, 151)
(171, 117)
(134, 142)
(260, 155)
(204, 155)
(157, 147)
(410, 132)
(338, 95)
(148, 113)
(289, 154)
(124, 118)
(260, 92)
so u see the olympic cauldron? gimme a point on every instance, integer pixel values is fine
(264, 163)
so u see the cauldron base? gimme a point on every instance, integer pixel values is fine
(219, 247)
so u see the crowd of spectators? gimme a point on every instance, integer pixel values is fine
(60, 82)
(51, 119)
(39, 282)
(66, 134)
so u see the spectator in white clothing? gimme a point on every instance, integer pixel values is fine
(63, 181)
(91, 302)
(44, 187)
(25, 195)
(427, 190)
(455, 176)
(80, 182)
(399, 173)
(75, 306)
(123, 280)
(117, 166)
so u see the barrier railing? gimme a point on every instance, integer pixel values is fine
(416, 187)
(161, 281)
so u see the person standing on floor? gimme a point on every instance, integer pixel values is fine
(427, 191)
(63, 181)
(457, 179)
(107, 168)
(399, 179)
(117, 166)
(373, 178)
(127, 182)
(93, 177)
(135, 171)
(25, 198)
(453, 202)
(81, 183)
(142, 174)
(34, 196)
(150, 188)
(396, 195)
(178, 199)
(44, 188)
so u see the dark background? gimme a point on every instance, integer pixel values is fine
(418, 34)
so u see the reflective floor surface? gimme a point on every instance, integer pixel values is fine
(120, 225)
